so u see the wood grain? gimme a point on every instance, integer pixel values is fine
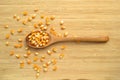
(83, 61)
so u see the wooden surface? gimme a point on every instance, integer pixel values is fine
(83, 61)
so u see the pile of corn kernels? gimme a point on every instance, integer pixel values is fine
(25, 58)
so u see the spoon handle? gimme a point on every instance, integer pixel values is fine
(86, 39)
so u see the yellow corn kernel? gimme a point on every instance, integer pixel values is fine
(29, 19)
(24, 22)
(61, 22)
(25, 56)
(25, 13)
(33, 16)
(20, 30)
(17, 56)
(21, 64)
(54, 49)
(36, 10)
(42, 16)
(35, 26)
(45, 69)
(54, 68)
(53, 61)
(63, 27)
(65, 34)
(18, 18)
(20, 40)
(28, 52)
(12, 32)
(6, 26)
(37, 75)
(44, 65)
(35, 59)
(29, 61)
(41, 59)
(15, 16)
(61, 56)
(52, 17)
(7, 36)
(12, 53)
(36, 53)
(20, 45)
(63, 47)
(16, 45)
(49, 52)
(7, 43)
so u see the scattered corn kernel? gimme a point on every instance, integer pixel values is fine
(54, 49)
(29, 61)
(61, 55)
(33, 16)
(20, 40)
(28, 52)
(63, 47)
(36, 10)
(54, 68)
(26, 48)
(53, 61)
(43, 56)
(6, 26)
(12, 32)
(35, 25)
(15, 16)
(16, 45)
(18, 18)
(12, 53)
(61, 22)
(7, 43)
(41, 59)
(45, 69)
(49, 52)
(52, 17)
(45, 66)
(25, 56)
(36, 53)
(17, 56)
(20, 45)
(40, 23)
(65, 34)
(7, 36)
(25, 13)
(29, 19)
(35, 59)
(37, 75)
(42, 16)
(63, 27)
(20, 30)
(24, 22)
(21, 64)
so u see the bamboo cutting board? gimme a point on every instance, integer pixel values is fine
(82, 61)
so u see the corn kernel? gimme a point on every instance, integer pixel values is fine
(6, 26)
(15, 16)
(49, 52)
(18, 18)
(53, 61)
(61, 55)
(25, 13)
(29, 19)
(52, 17)
(20, 30)
(35, 59)
(54, 49)
(33, 16)
(25, 56)
(42, 16)
(17, 56)
(54, 68)
(7, 36)
(28, 61)
(45, 69)
(36, 53)
(63, 27)
(36, 10)
(19, 40)
(63, 47)
(12, 32)
(61, 22)
(7, 43)
(65, 34)
(12, 53)
(28, 52)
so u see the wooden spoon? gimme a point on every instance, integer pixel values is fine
(54, 39)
